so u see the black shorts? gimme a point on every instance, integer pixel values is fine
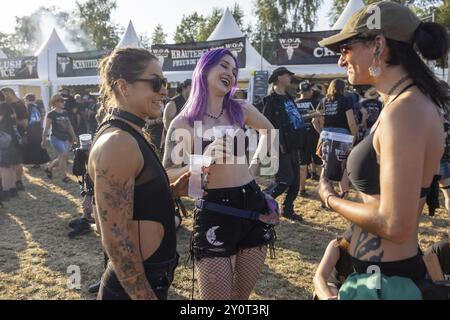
(159, 276)
(220, 235)
(308, 154)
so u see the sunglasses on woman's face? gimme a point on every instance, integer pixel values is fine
(344, 48)
(157, 83)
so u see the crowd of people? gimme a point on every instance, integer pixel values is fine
(384, 130)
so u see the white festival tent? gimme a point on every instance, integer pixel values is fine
(227, 28)
(46, 66)
(328, 70)
(130, 38)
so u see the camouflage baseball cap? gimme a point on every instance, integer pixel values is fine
(393, 20)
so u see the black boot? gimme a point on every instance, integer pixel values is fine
(287, 212)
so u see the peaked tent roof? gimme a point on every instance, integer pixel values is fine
(227, 28)
(47, 56)
(350, 9)
(2, 54)
(130, 38)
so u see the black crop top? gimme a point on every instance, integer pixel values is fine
(364, 171)
(152, 197)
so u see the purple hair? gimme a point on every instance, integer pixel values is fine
(195, 107)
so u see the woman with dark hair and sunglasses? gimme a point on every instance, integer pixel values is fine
(133, 195)
(230, 238)
(395, 168)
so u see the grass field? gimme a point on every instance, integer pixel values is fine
(35, 251)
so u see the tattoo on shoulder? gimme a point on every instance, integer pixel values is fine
(369, 247)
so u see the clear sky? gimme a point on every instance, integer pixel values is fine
(145, 14)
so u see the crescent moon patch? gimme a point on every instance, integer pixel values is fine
(212, 238)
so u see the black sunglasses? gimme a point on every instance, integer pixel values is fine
(344, 46)
(157, 83)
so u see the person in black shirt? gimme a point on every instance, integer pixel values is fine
(21, 118)
(337, 117)
(370, 109)
(306, 106)
(10, 143)
(61, 138)
(175, 105)
(280, 109)
(33, 153)
(71, 106)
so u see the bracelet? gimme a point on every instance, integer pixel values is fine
(327, 204)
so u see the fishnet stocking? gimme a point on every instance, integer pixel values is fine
(215, 278)
(232, 277)
(249, 263)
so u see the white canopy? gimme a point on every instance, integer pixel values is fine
(47, 56)
(130, 38)
(352, 7)
(46, 67)
(227, 28)
(2, 54)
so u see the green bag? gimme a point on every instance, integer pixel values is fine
(363, 286)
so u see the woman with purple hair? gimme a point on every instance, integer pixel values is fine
(230, 238)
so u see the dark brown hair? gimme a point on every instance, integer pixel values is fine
(430, 42)
(122, 63)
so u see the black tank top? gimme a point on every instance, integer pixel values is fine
(363, 168)
(152, 196)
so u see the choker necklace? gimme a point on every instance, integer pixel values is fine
(216, 119)
(127, 116)
(394, 87)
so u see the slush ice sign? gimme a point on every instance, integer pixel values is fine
(18, 68)
(304, 48)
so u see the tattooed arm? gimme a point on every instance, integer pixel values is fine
(176, 147)
(113, 178)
